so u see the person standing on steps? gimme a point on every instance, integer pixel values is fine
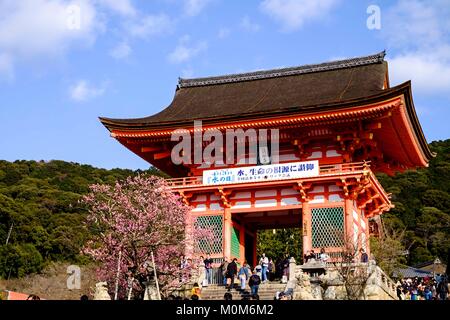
(264, 262)
(364, 256)
(271, 270)
(208, 268)
(244, 274)
(232, 272)
(223, 268)
(254, 283)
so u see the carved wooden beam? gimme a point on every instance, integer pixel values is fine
(224, 196)
(161, 155)
(368, 200)
(302, 188)
(185, 197)
(373, 126)
(150, 149)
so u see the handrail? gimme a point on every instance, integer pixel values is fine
(323, 170)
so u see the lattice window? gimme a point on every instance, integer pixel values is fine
(327, 227)
(215, 224)
(235, 243)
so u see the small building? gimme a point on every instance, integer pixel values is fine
(322, 132)
(433, 266)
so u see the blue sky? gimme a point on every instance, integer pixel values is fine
(60, 70)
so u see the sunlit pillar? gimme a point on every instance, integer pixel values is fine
(307, 227)
(227, 225)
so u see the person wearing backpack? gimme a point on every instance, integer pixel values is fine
(208, 268)
(254, 283)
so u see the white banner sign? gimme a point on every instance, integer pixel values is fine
(281, 171)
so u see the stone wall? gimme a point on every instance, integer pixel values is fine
(330, 285)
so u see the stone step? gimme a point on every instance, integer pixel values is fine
(266, 291)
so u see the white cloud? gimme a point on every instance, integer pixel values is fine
(420, 32)
(428, 71)
(121, 51)
(223, 33)
(42, 28)
(184, 51)
(248, 25)
(150, 25)
(293, 14)
(424, 22)
(83, 91)
(194, 7)
(122, 7)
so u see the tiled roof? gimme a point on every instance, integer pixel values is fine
(411, 272)
(265, 92)
(283, 72)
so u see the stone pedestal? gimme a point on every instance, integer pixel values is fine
(101, 291)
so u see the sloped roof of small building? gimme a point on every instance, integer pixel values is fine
(411, 272)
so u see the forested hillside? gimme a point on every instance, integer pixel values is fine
(422, 206)
(39, 204)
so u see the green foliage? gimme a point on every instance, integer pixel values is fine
(19, 260)
(422, 206)
(275, 244)
(40, 201)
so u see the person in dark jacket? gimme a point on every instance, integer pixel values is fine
(208, 268)
(254, 283)
(364, 256)
(223, 269)
(232, 272)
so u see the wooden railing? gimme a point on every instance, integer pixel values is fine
(324, 170)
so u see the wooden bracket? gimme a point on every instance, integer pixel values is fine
(302, 188)
(224, 196)
(185, 197)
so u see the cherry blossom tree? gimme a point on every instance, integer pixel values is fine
(129, 221)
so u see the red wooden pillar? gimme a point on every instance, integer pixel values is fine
(255, 255)
(366, 231)
(227, 225)
(307, 227)
(348, 222)
(242, 244)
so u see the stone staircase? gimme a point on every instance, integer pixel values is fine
(266, 291)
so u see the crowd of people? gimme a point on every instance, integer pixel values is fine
(324, 257)
(427, 288)
(436, 288)
(266, 270)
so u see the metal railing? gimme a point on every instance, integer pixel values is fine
(324, 170)
(216, 276)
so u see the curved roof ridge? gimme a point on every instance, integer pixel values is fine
(282, 72)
